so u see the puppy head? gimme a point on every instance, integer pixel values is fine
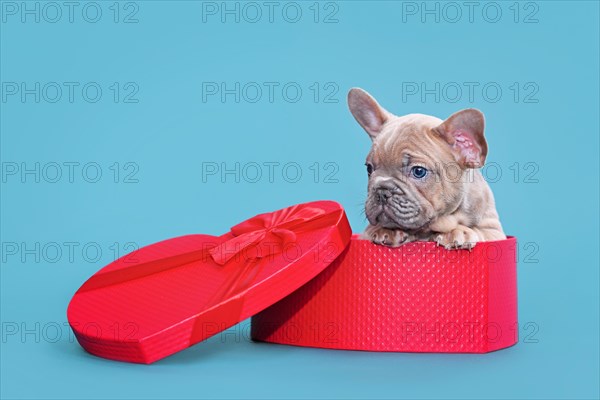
(417, 163)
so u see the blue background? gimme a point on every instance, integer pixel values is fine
(170, 133)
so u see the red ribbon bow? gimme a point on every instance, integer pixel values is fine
(276, 229)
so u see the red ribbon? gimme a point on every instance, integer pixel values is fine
(276, 229)
(270, 232)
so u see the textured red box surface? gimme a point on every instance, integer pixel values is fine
(415, 298)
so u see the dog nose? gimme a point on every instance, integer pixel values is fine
(382, 194)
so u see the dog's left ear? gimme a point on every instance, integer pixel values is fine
(464, 133)
(367, 112)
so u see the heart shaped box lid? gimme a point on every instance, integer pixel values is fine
(170, 295)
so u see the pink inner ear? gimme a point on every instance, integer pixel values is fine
(468, 149)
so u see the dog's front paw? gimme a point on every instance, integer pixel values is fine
(458, 238)
(386, 237)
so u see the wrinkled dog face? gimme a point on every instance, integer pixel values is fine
(415, 168)
(404, 178)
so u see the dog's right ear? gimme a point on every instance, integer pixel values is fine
(367, 112)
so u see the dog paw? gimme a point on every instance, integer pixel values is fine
(386, 237)
(459, 238)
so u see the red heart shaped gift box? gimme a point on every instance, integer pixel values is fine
(415, 298)
(307, 282)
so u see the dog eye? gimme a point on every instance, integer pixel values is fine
(419, 172)
(369, 168)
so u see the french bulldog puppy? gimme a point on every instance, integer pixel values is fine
(424, 182)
